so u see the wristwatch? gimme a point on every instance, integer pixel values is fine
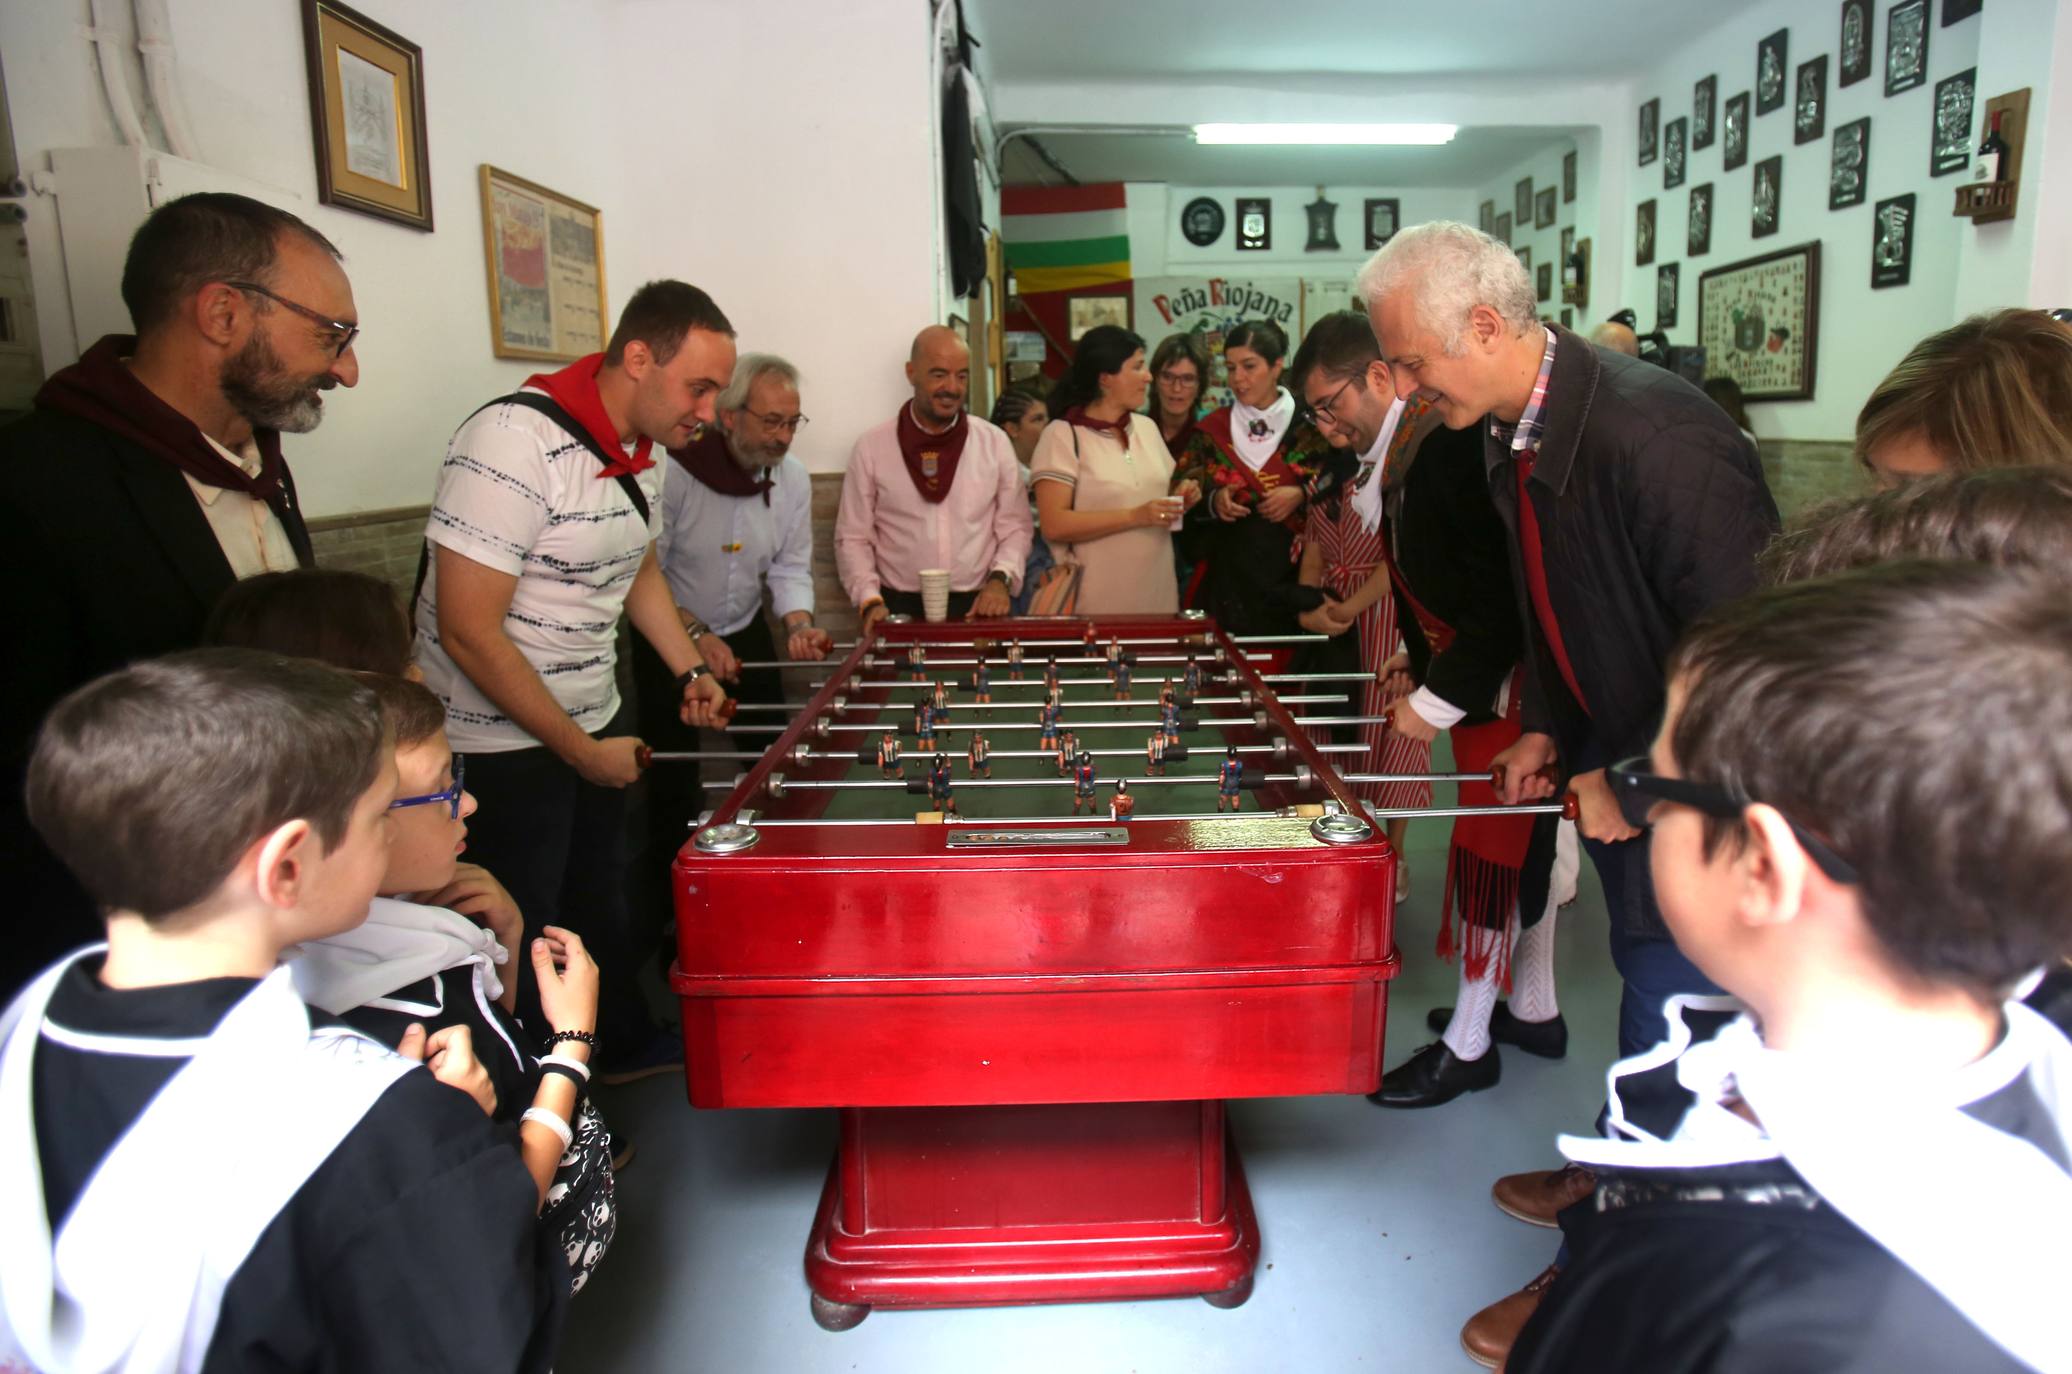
(999, 574)
(686, 679)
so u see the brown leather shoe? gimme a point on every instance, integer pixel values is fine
(1536, 1196)
(1490, 1333)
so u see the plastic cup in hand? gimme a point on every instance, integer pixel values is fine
(935, 594)
(1177, 510)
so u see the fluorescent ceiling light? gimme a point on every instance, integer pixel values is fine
(1326, 134)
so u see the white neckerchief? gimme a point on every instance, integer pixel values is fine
(1367, 484)
(1255, 452)
(400, 943)
(1865, 1139)
(134, 1281)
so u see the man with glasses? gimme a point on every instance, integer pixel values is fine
(149, 478)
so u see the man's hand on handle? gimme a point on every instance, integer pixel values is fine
(1521, 770)
(1599, 817)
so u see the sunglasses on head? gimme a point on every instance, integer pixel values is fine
(1638, 791)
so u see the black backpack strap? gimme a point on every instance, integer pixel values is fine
(549, 407)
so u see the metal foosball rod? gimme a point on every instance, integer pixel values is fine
(1566, 808)
(1209, 722)
(649, 757)
(1138, 703)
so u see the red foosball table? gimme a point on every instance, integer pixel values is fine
(1028, 1003)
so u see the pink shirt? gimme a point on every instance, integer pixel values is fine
(887, 533)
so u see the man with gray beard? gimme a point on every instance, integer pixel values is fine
(149, 477)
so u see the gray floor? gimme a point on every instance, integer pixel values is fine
(1379, 1238)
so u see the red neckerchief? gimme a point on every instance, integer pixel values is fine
(574, 389)
(101, 390)
(1231, 471)
(1178, 443)
(708, 459)
(1119, 428)
(931, 459)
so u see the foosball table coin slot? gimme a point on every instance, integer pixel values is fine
(725, 839)
(1341, 829)
(1014, 839)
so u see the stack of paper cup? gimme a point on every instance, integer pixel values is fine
(935, 594)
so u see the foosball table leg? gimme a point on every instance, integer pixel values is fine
(1229, 1297)
(829, 1315)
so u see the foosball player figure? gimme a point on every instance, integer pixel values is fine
(1120, 671)
(982, 683)
(888, 754)
(1083, 781)
(1050, 674)
(1122, 803)
(1165, 694)
(1047, 719)
(1014, 660)
(939, 785)
(1068, 750)
(1115, 654)
(917, 661)
(1154, 755)
(1169, 722)
(924, 726)
(980, 757)
(1230, 777)
(940, 699)
(1191, 678)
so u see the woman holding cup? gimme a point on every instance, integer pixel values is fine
(1103, 479)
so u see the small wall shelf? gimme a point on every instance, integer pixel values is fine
(1985, 202)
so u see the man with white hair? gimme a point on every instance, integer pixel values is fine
(1633, 505)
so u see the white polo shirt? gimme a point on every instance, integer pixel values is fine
(519, 494)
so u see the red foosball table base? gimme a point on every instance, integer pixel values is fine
(1074, 1202)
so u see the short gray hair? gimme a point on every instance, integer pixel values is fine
(750, 368)
(1451, 268)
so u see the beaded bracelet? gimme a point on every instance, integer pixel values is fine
(585, 1037)
(540, 1116)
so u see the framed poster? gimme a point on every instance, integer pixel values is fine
(1568, 176)
(1673, 136)
(1950, 147)
(1502, 231)
(1906, 46)
(1650, 120)
(1543, 280)
(1521, 203)
(546, 270)
(1090, 312)
(1809, 107)
(1854, 62)
(1704, 113)
(1666, 283)
(1698, 226)
(1254, 223)
(1644, 234)
(1770, 71)
(1892, 242)
(1849, 164)
(1383, 217)
(1543, 208)
(1759, 322)
(1734, 133)
(366, 109)
(1765, 208)
(1485, 217)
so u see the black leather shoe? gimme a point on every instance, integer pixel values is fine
(1548, 1039)
(1433, 1076)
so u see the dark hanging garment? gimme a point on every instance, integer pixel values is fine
(966, 227)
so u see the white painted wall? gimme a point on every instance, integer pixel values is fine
(1545, 170)
(733, 145)
(1158, 248)
(1862, 332)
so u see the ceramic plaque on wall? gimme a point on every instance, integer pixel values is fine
(1644, 234)
(1809, 107)
(1758, 322)
(1849, 164)
(1698, 225)
(1906, 46)
(1734, 133)
(1704, 113)
(1254, 223)
(1666, 282)
(1892, 242)
(1543, 208)
(1673, 137)
(1854, 62)
(1950, 150)
(1521, 203)
(1770, 72)
(1568, 176)
(1766, 202)
(1485, 217)
(1502, 231)
(1955, 11)
(1650, 120)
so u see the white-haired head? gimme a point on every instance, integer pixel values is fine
(1451, 268)
(748, 370)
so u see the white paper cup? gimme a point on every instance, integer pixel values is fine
(935, 594)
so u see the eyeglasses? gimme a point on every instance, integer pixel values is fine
(1322, 409)
(1638, 790)
(793, 423)
(451, 796)
(346, 330)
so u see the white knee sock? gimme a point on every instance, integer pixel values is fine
(1532, 971)
(1467, 1034)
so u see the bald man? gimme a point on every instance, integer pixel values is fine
(1617, 337)
(930, 488)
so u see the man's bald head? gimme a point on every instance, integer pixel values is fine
(939, 370)
(1617, 337)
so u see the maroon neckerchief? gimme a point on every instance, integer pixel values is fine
(931, 459)
(708, 459)
(101, 390)
(1120, 429)
(574, 389)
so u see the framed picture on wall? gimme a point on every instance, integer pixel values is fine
(1766, 203)
(545, 259)
(1525, 260)
(1568, 243)
(1809, 108)
(1644, 234)
(1502, 231)
(1892, 242)
(1734, 133)
(1568, 318)
(1543, 208)
(1906, 46)
(1854, 60)
(1485, 217)
(1956, 10)
(1698, 225)
(1568, 177)
(1650, 121)
(1090, 312)
(1383, 217)
(1521, 203)
(1673, 137)
(1666, 283)
(1849, 164)
(1759, 323)
(1950, 148)
(1543, 280)
(366, 109)
(1704, 113)
(1770, 72)
(1254, 224)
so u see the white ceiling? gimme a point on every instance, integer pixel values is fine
(1102, 40)
(1475, 156)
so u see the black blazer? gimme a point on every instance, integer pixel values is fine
(107, 558)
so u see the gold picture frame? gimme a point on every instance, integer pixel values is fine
(366, 108)
(544, 256)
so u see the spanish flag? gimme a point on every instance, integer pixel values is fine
(1062, 238)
